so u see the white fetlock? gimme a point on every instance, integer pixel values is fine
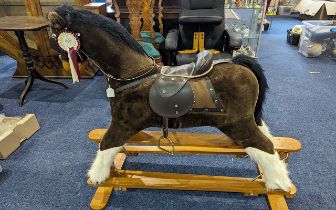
(275, 170)
(100, 169)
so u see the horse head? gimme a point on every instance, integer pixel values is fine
(60, 18)
(102, 39)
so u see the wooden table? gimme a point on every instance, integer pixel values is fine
(20, 24)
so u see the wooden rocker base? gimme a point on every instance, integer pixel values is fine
(189, 143)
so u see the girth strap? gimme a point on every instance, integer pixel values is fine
(206, 98)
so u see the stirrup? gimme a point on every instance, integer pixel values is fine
(171, 143)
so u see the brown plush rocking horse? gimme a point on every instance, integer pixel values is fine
(228, 96)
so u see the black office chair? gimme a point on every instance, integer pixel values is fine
(206, 17)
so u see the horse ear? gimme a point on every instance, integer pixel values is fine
(57, 22)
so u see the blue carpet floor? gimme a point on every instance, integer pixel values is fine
(48, 171)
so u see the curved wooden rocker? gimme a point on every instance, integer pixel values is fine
(189, 143)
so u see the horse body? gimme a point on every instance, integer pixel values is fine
(238, 92)
(118, 54)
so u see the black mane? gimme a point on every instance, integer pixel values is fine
(73, 16)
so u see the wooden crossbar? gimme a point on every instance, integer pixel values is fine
(174, 181)
(188, 141)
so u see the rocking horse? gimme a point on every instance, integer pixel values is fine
(226, 94)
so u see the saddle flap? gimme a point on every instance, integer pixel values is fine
(174, 106)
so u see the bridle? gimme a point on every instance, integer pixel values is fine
(151, 68)
(66, 45)
(131, 82)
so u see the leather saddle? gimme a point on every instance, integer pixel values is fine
(202, 67)
(179, 88)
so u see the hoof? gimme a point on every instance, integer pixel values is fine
(98, 175)
(279, 183)
(100, 169)
(275, 170)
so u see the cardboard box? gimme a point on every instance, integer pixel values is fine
(10, 140)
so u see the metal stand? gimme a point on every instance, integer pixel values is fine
(32, 73)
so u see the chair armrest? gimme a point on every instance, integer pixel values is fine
(172, 39)
(236, 39)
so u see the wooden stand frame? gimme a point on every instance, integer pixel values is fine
(189, 143)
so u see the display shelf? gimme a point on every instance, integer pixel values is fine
(246, 18)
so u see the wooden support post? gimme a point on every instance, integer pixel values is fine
(135, 8)
(147, 18)
(147, 12)
(160, 16)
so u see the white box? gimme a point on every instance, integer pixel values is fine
(10, 140)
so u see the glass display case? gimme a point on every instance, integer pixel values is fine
(246, 17)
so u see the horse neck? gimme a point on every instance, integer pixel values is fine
(114, 57)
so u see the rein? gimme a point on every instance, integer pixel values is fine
(133, 81)
(124, 79)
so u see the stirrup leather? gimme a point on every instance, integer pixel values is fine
(166, 137)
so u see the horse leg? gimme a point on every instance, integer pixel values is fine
(111, 144)
(258, 146)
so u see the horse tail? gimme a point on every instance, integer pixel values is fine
(257, 70)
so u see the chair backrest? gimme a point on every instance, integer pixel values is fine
(202, 9)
